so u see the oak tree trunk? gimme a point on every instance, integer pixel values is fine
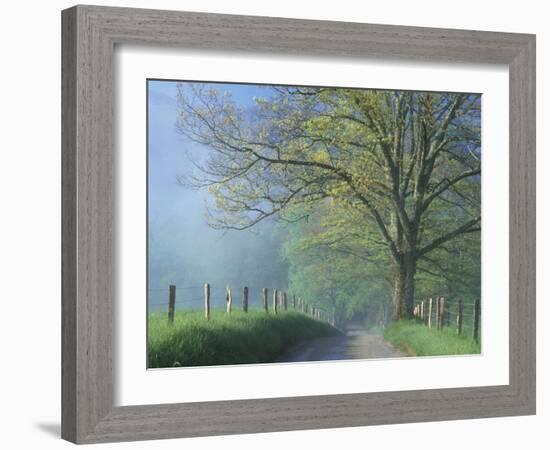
(403, 286)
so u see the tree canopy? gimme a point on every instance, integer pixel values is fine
(377, 186)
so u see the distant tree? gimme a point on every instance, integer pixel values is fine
(406, 163)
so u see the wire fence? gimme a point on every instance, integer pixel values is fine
(191, 297)
(435, 312)
(440, 313)
(206, 297)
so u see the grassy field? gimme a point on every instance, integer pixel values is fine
(418, 340)
(242, 338)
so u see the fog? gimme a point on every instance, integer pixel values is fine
(337, 254)
(182, 249)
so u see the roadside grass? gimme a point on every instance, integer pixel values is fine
(418, 340)
(242, 338)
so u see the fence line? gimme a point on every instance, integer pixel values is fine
(207, 301)
(280, 303)
(171, 303)
(439, 314)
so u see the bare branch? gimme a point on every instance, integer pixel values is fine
(469, 227)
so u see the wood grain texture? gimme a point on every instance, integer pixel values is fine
(89, 199)
(68, 226)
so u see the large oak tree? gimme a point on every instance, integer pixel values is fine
(406, 163)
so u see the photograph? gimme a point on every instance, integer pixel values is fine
(311, 223)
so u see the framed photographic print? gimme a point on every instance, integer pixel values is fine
(278, 224)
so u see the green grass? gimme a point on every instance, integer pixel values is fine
(418, 340)
(242, 338)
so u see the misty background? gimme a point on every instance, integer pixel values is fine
(182, 249)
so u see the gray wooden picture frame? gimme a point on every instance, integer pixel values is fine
(90, 34)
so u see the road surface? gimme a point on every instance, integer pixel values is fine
(356, 343)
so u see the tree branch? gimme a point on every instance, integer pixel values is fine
(446, 184)
(468, 227)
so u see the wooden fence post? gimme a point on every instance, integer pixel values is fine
(475, 320)
(207, 301)
(171, 303)
(228, 299)
(430, 307)
(245, 299)
(459, 317)
(441, 312)
(275, 301)
(426, 313)
(264, 291)
(422, 310)
(284, 301)
(293, 301)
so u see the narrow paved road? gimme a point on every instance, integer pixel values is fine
(357, 343)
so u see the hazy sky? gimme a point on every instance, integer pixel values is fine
(182, 249)
(167, 147)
